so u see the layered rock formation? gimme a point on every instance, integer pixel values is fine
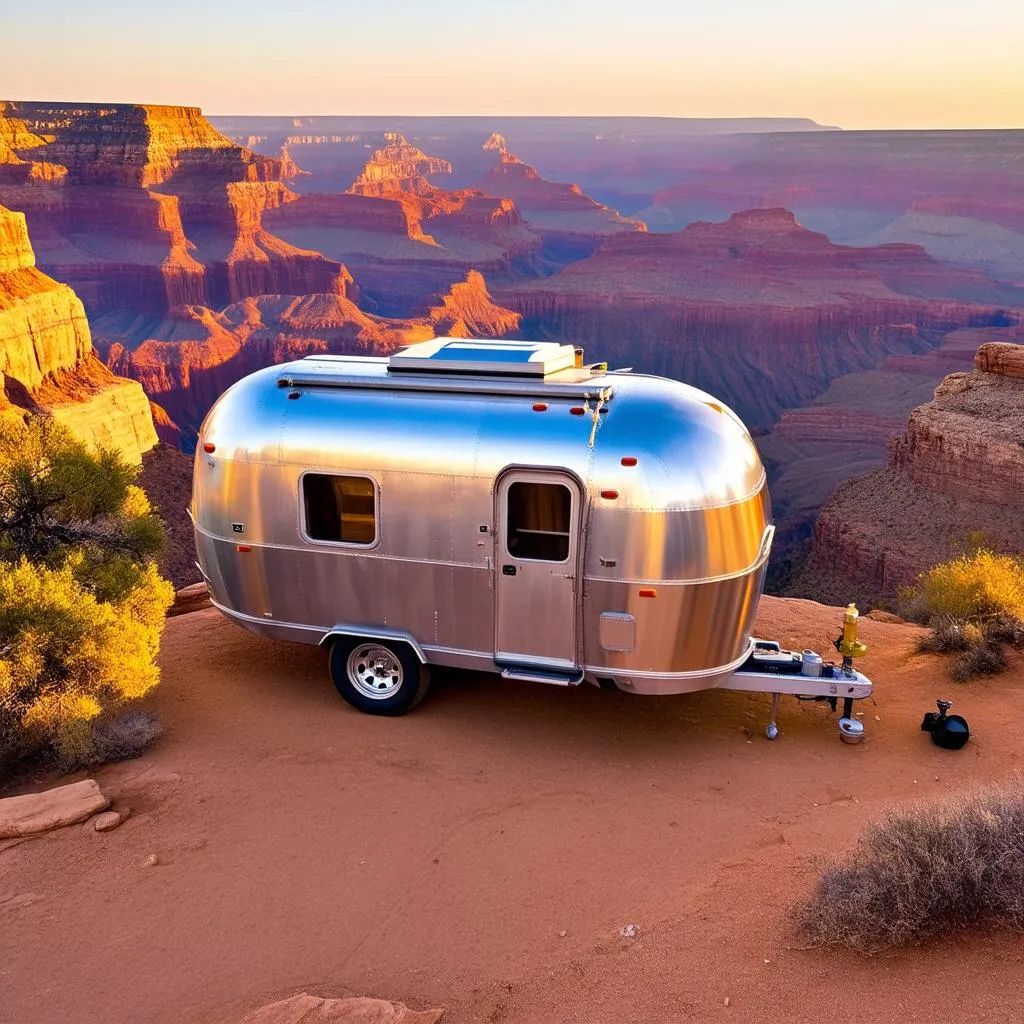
(46, 359)
(147, 208)
(969, 241)
(853, 184)
(757, 310)
(468, 311)
(955, 476)
(398, 167)
(185, 362)
(402, 247)
(570, 222)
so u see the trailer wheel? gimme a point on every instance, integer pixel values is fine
(378, 677)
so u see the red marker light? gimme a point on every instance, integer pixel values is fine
(540, 407)
(577, 410)
(610, 495)
(628, 460)
(649, 593)
(243, 548)
(210, 448)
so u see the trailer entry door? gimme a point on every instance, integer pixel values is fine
(537, 554)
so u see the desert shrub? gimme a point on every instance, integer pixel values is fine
(922, 871)
(81, 603)
(975, 586)
(980, 659)
(947, 636)
(974, 605)
(124, 736)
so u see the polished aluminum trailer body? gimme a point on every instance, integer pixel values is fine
(654, 586)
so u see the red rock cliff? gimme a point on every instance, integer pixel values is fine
(756, 309)
(46, 360)
(151, 208)
(956, 472)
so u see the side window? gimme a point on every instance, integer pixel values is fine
(340, 508)
(538, 521)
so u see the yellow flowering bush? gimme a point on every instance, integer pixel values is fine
(81, 603)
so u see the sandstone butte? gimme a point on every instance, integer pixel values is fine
(398, 167)
(955, 475)
(148, 207)
(47, 363)
(184, 362)
(756, 309)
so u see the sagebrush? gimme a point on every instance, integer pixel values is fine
(923, 871)
(81, 603)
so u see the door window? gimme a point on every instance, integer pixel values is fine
(538, 521)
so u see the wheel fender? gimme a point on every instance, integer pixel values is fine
(375, 633)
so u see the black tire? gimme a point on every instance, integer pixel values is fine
(379, 677)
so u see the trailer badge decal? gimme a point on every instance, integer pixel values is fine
(238, 527)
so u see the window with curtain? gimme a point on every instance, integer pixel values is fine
(340, 508)
(538, 521)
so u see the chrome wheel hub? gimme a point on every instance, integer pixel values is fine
(374, 671)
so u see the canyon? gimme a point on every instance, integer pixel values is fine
(184, 362)
(149, 207)
(820, 282)
(757, 309)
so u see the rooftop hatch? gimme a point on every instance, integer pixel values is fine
(478, 356)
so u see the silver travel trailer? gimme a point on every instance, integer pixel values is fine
(496, 505)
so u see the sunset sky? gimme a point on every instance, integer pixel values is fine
(876, 63)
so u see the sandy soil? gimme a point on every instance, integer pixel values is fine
(483, 852)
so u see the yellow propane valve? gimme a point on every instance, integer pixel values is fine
(847, 644)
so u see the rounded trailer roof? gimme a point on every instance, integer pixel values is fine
(691, 451)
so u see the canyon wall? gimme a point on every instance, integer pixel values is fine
(47, 364)
(147, 208)
(757, 309)
(954, 476)
(186, 361)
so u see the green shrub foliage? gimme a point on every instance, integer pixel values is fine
(81, 603)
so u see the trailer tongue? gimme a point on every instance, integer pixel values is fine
(804, 676)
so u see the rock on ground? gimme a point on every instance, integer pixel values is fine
(105, 822)
(190, 599)
(40, 812)
(307, 1009)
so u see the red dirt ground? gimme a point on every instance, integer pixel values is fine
(438, 858)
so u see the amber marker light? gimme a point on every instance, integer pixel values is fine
(209, 448)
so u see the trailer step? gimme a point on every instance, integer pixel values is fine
(525, 674)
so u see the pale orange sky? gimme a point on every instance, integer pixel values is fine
(876, 64)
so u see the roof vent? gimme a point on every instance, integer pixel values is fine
(484, 356)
